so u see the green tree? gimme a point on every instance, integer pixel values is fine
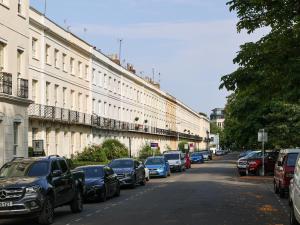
(114, 149)
(265, 90)
(182, 144)
(147, 151)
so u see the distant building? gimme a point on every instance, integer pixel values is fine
(218, 116)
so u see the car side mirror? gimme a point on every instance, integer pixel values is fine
(56, 173)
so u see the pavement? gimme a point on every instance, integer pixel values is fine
(208, 194)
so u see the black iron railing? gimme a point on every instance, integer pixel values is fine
(5, 83)
(57, 114)
(22, 88)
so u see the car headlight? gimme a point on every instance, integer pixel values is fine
(177, 162)
(33, 190)
(161, 168)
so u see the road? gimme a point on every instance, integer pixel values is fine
(207, 194)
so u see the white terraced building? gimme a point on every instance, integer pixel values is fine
(82, 97)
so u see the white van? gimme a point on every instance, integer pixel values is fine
(294, 195)
(176, 160)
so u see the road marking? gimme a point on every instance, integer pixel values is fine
(77, 220)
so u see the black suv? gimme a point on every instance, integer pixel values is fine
(35, 186)
(129, 171)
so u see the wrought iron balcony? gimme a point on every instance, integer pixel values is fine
(22, 88)
(52, 113)
(5, 83)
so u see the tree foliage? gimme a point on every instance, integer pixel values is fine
(147, 151)
(266, 84)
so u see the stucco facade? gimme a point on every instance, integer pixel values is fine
(14, 39)
(82, 97)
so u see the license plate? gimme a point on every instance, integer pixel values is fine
(6, 204)
(152, 172)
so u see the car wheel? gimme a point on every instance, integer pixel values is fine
(132, 185)
(143, 182)
(293, 220)
(242, 173)
(118, 190)
(47, 214)
(103, 195)
(276, 189)
(77, 203)
(165, 175)
(169, 172)
(281, 192)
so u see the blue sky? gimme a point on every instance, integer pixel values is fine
(191, 43)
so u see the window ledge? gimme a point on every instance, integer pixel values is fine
(22, 16)
(5, 5)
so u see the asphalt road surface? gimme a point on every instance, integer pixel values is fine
(208, 194)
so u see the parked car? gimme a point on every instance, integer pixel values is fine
(35, 186)
(254, 164)
(284, 170)
(176, 160)
(220, 152)
(187, 161)
(294, 195)
(244, 153)
(158, 166)
(101, 182)
(197, 157)
(242, 162)
(207, 155)
(129, 171)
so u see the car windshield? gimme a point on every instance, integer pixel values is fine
(25, 169)
(196, 154)
(252, 155)
(154, 161)
(292, 158)
(121, 164)
(205, 152)
(92, 172)
(172, 156)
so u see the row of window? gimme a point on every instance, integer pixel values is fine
(20, 5)
(4, 59)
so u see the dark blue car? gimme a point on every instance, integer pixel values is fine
(197, 157)
(101, 182)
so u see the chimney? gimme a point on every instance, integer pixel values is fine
(130, 68)
(115, 59)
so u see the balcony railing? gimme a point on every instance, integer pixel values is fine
(22, 88)
(52, 113)
(5, 83)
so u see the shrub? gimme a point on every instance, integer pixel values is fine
(92, 153)
(181, 146)
(147, 151)
(114, 149)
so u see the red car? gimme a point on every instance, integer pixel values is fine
(254, 165)
(187, 161)
(284, 170)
